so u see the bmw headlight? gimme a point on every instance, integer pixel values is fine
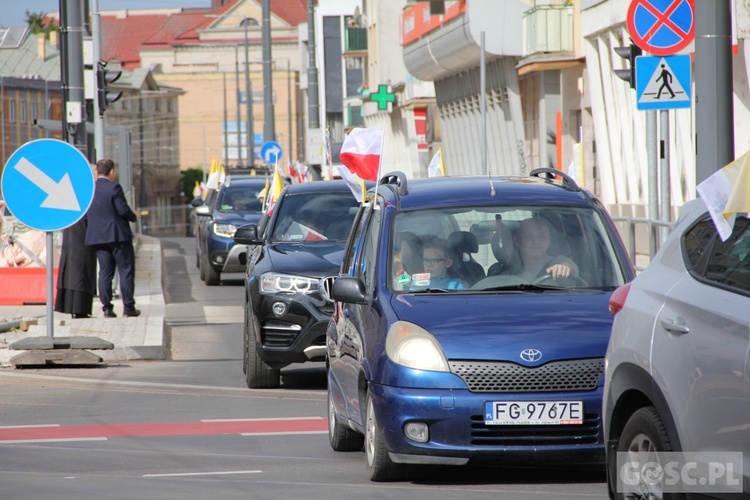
(280, 283)
(414, 347)
(226, 230)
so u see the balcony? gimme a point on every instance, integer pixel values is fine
(548, 28)
(355, 42)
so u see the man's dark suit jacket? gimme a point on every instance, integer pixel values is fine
(109, 214)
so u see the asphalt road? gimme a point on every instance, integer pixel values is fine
(188, 427)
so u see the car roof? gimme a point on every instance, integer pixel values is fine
(452, 191)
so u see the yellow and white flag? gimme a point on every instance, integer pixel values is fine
(437, 165)
(277, 185)
(575, 170)
(727, 193)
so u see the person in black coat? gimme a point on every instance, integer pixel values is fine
(76, 278)
(109, 234)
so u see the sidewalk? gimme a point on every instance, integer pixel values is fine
(133, 338)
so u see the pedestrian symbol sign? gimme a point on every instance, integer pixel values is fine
(662, 82)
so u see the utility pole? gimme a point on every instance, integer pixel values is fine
(269, 126)
(249, 91)
(313, 106)
(714, 114)
(96, 38)
(237, 96)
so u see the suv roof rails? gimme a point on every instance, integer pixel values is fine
(395, 178)
(567, 180)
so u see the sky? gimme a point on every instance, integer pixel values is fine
(13, 12)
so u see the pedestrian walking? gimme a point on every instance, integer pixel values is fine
(110, 236)
(76, 279)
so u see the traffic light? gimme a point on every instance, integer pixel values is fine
(104, 78)
(629, 52)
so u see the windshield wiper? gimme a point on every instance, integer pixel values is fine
(523, 287)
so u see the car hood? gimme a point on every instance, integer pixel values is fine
(308, 259)
(237, 218)
(500, 326)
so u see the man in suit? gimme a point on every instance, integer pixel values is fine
(109, 234)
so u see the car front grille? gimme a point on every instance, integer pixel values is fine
(574, 375)
(325, 285)
(535, 435)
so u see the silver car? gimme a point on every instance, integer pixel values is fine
(677, 366)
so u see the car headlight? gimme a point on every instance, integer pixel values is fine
(279, 283)
(414, 347)
(226, 230)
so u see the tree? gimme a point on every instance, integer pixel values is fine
(189, 178)
(35, 21)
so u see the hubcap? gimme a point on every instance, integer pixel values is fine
(370, 435)
(649, 482)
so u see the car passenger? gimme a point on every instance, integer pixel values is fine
(533, 241)
(438, 271)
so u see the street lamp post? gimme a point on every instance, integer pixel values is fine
(237, 96)
(248, 21)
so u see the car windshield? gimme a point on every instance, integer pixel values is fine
(520, 249)
(241, 199)
(315, 217)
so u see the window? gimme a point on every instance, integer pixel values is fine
(370, 254)
(728, 262)
(24, 112)
(34, 111)
(349, 256)
(12, 111)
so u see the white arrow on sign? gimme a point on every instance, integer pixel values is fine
(60, 195)
(273, 153)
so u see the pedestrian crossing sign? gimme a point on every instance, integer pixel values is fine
(662, 82)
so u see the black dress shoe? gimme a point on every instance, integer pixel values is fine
(131, 312)
(80, 316)
(109, 313)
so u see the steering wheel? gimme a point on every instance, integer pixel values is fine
(548, 277)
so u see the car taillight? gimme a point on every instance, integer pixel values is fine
(618, 298)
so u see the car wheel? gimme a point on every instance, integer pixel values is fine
(380, 467)
(202, 268)
(643, 437)
(211, 276)
(198, 257)
(341, 437)
(257, 373)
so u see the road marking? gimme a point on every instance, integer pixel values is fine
(219, 473)
(58, 440)
(268, 426)
(27, 426)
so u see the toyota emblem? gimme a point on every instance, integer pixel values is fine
(531, 355)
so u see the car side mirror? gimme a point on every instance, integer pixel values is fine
(349, 289)
(247, 235)
(196, 202)
(202, 210)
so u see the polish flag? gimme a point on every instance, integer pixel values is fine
(361, 152)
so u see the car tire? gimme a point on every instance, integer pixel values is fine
(211, 276)
(258, 374)
(202, 269)
(642, 437)
(380, 467)
(198, 257)
(341, 437)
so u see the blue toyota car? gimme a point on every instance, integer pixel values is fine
(471, 323)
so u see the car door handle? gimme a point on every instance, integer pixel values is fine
(673, 327)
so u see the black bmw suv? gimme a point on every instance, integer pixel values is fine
(294, 255)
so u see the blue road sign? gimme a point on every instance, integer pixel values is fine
(662, 82)
(48, 184)
(661, 27)
(271, 152)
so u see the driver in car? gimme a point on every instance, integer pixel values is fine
(533, 241)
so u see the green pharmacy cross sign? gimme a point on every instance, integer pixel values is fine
(384, 96)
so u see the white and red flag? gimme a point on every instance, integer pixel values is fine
(361, 152)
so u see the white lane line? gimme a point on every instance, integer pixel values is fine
(295, 433)
(27, 426)
(60, 440)
(218, 473)
(275, 419)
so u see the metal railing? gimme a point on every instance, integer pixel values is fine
(355, 40)
(171, 220)
(653, 231)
